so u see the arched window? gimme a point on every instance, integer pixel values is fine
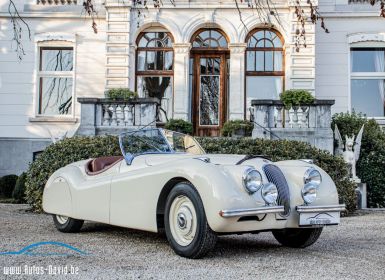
(154, 67)
(209, 38)
(264, 65)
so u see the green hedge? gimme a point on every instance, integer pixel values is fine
(78, 148)
(7, 185)
(371, 164)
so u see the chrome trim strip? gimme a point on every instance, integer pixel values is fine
(321, 208)
(251, 211)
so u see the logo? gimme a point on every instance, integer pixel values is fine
(48, 248)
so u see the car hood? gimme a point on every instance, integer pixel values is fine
(157, 159)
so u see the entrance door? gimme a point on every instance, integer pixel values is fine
(209, 100)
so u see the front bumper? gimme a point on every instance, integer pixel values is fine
(323, 208)
(251, 211)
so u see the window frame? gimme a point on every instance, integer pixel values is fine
(55, 45)
(209, 49)
(364, 75)
(263, 73)
(266, 49)
(164, 49)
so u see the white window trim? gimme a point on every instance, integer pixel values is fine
(364, 40)
(58, 40)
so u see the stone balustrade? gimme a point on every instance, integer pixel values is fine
(105, 116)
(309, 123)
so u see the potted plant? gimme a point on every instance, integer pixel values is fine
(121, 94)
(237, 128)
(296, 97)
(179, 125)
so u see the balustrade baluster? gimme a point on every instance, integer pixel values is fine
(106, 115)
(119, 115)
(279, 123)
(304, 120)
(114, 121)
(291, 117)
(299, 117)
(287, 118)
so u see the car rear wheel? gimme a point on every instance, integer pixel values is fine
(67, 224)
(186, 225)
(297, 237)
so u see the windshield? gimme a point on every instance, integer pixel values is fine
(150, 141)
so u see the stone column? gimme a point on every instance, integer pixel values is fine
(236, 99)
(182, 94)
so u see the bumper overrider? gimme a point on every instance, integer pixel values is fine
(280, 209)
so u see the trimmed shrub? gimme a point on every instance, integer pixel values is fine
(18, 193)
(285, 150)
(7, 185)
(296, 97)
(371, 164)
(237, 127)
(79, 148)
(179, 125)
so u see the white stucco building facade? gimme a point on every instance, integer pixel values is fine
(198, 58)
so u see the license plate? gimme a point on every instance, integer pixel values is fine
(323, 218)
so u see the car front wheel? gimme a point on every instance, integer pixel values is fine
(186, 225)
(67, 224)
(297, 237)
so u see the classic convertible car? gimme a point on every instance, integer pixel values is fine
(164, 179)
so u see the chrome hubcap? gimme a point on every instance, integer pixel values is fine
(183, 220)
(61, 219)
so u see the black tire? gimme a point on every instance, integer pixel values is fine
(205, 239)
(297, 237)
(71, 225)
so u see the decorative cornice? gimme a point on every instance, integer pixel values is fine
(366, 37)
(50, 36)
(237, 47)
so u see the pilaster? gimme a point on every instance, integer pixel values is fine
(182, 97)
(237, 81)
(117, 44)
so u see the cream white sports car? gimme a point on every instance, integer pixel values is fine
(164, 179)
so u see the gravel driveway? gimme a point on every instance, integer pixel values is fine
(353, 250)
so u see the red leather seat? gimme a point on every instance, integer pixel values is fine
(98, 165)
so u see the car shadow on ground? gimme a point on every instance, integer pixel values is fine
(227, 244)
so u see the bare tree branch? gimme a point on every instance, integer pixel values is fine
(17, 24)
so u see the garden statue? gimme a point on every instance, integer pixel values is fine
(352, 150)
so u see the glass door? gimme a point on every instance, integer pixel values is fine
(209, 106)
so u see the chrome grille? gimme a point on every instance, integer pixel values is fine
(275, 176)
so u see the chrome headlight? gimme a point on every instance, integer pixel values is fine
(270, 193)
(252, 180)
(312, 175)
(309, 192)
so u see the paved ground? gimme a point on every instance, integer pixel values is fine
(353, 250)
